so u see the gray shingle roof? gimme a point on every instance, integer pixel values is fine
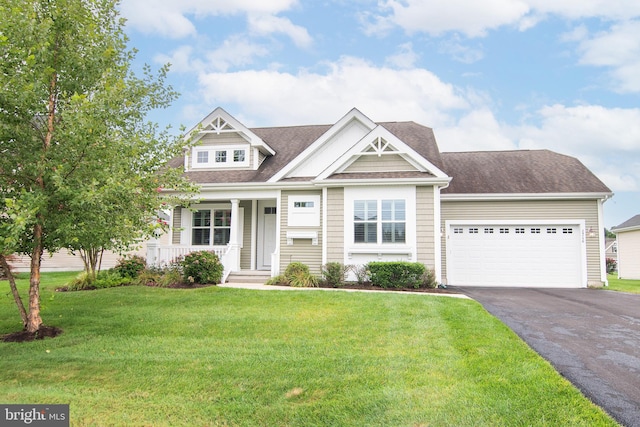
(522, 171)
(631, 222)
(289, 142)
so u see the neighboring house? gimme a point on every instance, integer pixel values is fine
(611, 248)
(359, 191)
(628, 236)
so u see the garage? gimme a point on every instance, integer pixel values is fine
(523, 254)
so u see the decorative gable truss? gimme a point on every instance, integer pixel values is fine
(381, 152)
(222, 142)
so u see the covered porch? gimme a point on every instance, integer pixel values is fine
(242, 233)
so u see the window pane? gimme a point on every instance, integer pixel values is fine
(222, 218)
(221, 156)
(399, 235)
(372, 233)
(372, 210)
(202, 218)
(238, 155)
(387, 210)
(203, 156)
(201, 236)
(399, 210)
(221, 236)
(358, 210)
(387, 232)
(358, 233)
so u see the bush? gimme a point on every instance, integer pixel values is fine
(334, 274)
(104, 279)
(429, 279)
(201, 267)
(612, 265)
(279, 280)
(297, 274)
(361, 272)
(396, 274)
(130, 266)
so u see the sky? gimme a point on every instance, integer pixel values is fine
(562, 75)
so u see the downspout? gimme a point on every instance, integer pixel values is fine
(437, 228)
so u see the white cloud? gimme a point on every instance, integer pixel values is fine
(168, 18)
(459, 51)
(269, 24)
(235, 51)
(618, 48)
(607, 140)
(271, 97)
(405, 58)
(476, 18)
(477, 131)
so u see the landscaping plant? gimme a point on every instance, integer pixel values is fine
(202, 267)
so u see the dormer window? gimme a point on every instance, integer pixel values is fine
(221, 156)
(217, 156)
(203, 157)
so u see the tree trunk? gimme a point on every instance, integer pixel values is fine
(33, 317)
(14, 289)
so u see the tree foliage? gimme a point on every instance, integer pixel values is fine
(80, 165)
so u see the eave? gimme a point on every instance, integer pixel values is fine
(524, 196)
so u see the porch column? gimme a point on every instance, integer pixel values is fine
(234, 243)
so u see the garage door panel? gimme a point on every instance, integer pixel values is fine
(515, 255)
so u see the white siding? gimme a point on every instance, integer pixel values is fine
(302, 250)
(629, 255)
(384, 163)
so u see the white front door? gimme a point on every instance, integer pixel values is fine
(266, 233)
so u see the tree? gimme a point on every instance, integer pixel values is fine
(80, 165)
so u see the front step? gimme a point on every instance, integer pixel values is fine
(249, 276)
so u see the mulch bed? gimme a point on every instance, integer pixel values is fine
(369, 287)
(24, 336)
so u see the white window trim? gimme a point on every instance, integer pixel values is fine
(186, 235)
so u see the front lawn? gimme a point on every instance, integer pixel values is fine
(139, 356)
(622, 285)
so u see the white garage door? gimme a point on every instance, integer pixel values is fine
(532, 255)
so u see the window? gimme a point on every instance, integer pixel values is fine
(473, 230)
(202, 228)
(488, 231)
(221, 156)
(519, 230)
(303, 204)
(458, 230)
(365, 221)
(551, 231)
(504, 231)
(535, 231)
(203, 157)
(389, 223)
(238, 156)
(567, 231)
(393, 221)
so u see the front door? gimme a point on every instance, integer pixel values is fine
(266, 233)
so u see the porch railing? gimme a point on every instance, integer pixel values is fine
(160, 255)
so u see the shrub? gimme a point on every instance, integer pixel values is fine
(429, 279)
(104, 279)
(334, 274)
(612, 265)
(396, 274)
(279, 280)
(201, 267)
(130, 266)
(361, 272)
(294, 269)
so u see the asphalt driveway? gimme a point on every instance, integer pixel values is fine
(590, 336)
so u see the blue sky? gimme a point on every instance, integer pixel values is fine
(562, 75)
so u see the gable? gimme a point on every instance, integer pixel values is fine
(391, 162)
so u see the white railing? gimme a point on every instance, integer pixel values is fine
(161, 255)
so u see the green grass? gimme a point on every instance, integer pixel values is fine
(138, 356)
(622, 285)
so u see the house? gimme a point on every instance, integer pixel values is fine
(628, 238)
(358, 191)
